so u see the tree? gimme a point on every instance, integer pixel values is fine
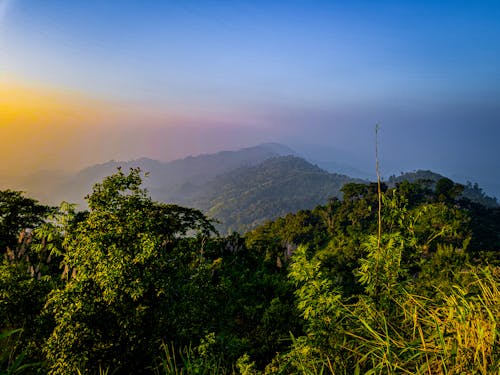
(446, 190)
(26, 271)
(132, 258)
(18, 213)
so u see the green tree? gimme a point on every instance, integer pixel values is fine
(18, 213)
(417, 291)
(29, 270)
(446, 190)
(131, 260)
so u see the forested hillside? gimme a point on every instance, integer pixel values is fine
(384, 280)
(240, 189)
(171, 181)
(430, 179)
(249, 196)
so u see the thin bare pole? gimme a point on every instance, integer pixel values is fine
(379, 191)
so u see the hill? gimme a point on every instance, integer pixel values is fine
(167, 181)
(247, 197)
(471, 191)
(242, 189)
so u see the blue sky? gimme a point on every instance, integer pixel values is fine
(306, 73)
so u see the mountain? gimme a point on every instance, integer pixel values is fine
(242, 188)
(247, 197)
(167, 181)
(471, 191)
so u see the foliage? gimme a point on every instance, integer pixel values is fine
(244, 198)
(469, 191)
(129, 256)
(10, 361)
(139, 286)
(391, 326)
(18, 213)
(29, 271)
(189, 360)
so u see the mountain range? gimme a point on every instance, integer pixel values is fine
(167, 181)
(241, 189)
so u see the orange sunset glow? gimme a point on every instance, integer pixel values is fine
(22, 104)
(35, 119)
(41, 125)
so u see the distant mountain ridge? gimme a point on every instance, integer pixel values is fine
(166, 180)
(242, 188)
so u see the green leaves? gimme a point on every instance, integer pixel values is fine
(18, 213)
(381, 271)
(129, 254)
(139, 273)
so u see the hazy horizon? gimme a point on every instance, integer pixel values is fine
(87, 82)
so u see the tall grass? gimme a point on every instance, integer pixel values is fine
(452, 333)
(11, 361)
(186, 361)
(395, 327)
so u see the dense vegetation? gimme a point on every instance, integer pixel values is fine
(428, 178)
(138, 286)
(248, 196)
(241, 189)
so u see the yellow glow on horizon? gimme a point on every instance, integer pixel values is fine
(30, 105)
(52, 128)
(47, 127)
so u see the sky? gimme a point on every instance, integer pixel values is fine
(83, 82)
